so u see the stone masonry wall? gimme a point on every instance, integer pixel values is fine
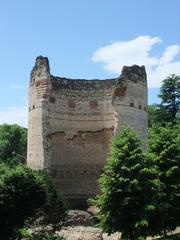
(72, 122)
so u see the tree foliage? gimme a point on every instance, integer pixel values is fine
(164, 149)
(170, 95)
(169, 109)
(164, 146)
(125, 201)
(55, 208)
(140, 193)
(13, 144)
(20, 196)
(158, 115)
(26, 195)
(28, 235)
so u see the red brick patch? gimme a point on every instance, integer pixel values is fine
(120, 91)
(71, 103)
(93, 104)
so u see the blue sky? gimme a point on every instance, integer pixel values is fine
(84, 39)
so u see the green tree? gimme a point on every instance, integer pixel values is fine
(26, 194)
(170, 95)
(157, 114)
(55, 208)
(13, 144)
(20, 196)
(164, 145)
(125, 203)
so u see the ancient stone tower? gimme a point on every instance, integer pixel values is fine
(72, 121)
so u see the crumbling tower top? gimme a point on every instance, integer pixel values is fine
(41, 69)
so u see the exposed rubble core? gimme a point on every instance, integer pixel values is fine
(72, 122)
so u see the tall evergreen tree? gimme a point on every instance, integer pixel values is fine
(164, 145)
(170, 95)
(158, 114)
(126, 183)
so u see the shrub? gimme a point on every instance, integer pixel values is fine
(55, 208)
(44, 237)
(25, 195)
(20, 196)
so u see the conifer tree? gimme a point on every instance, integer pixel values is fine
(170, 95)
(164, 145)
(125, 201)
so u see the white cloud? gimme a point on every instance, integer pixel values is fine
(137, 51)
(169, 54)
(14, 115)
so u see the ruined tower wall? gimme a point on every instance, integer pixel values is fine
(39, 87)
(71, 124)
(130, 110)
(81, 125)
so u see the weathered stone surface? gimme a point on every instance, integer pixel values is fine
(79, 225)
(81, 233)
(79, 218)
(114, 236)
(72, 122)
(86, 233)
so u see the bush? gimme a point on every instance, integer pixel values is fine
(44, 237)
(27, 235)
(24, 196)
(54, 210)
(20, 196)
